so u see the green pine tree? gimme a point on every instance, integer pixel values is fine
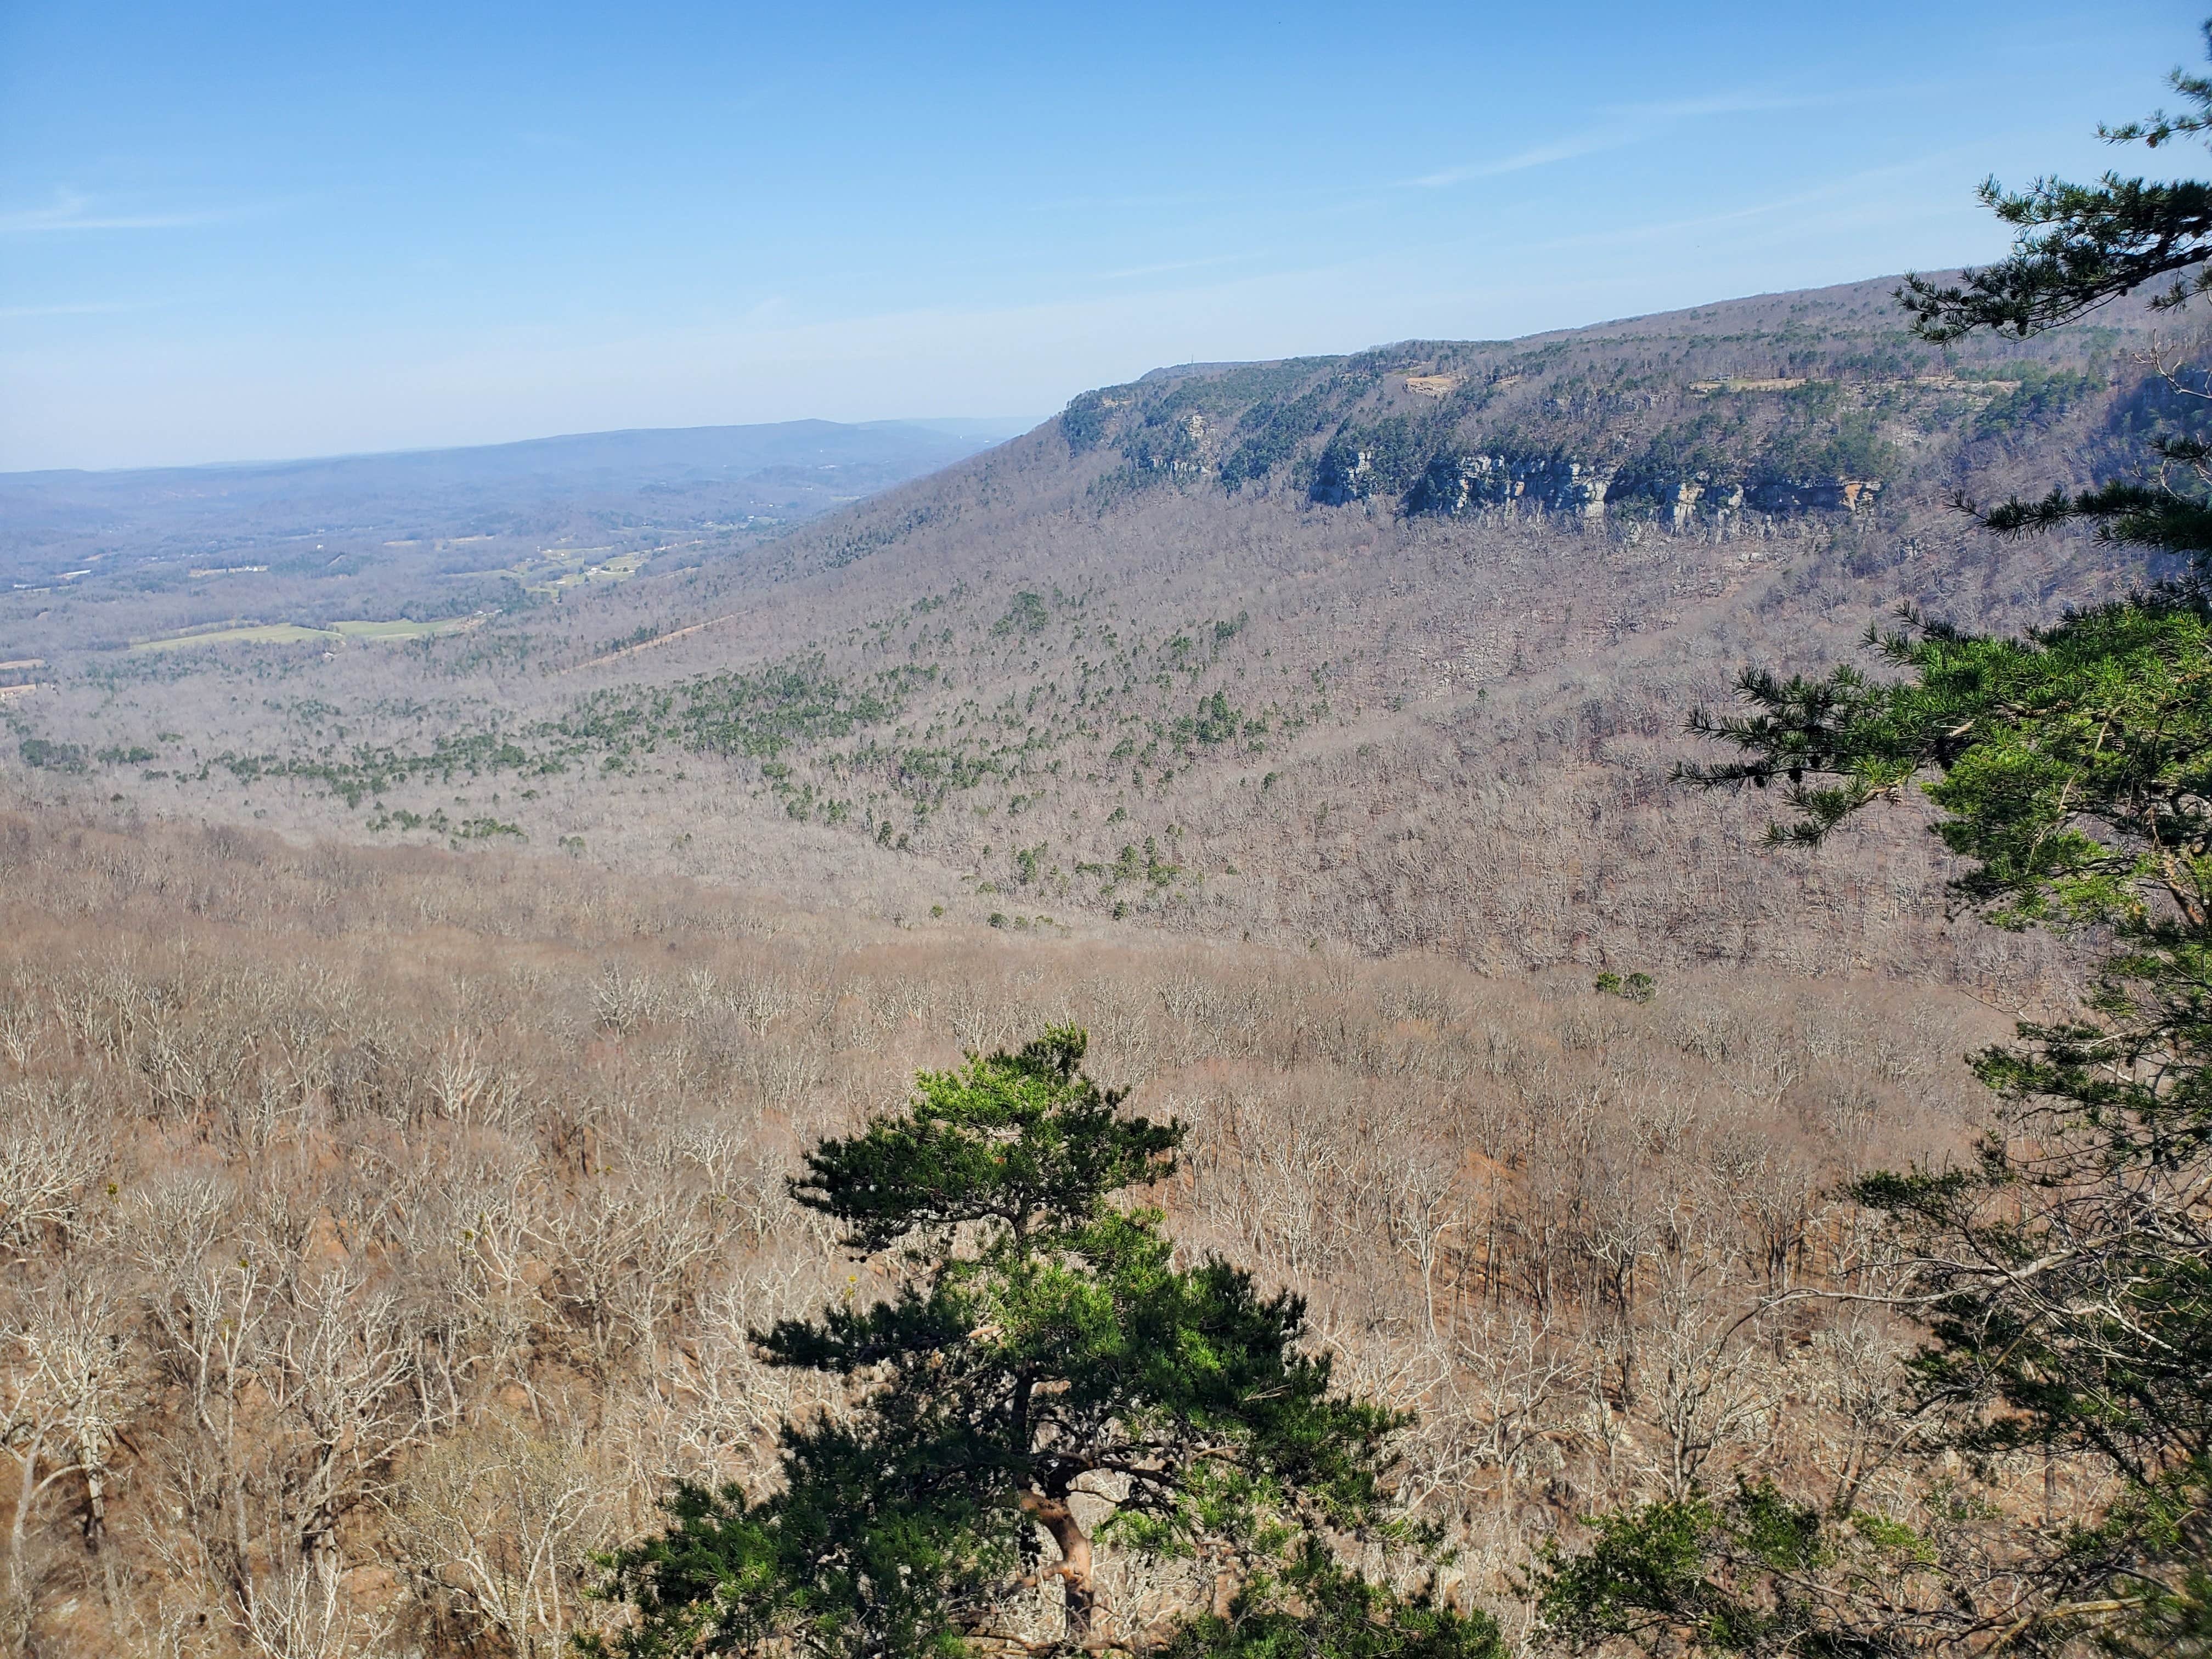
(1047, 1386)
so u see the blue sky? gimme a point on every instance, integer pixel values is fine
(231, 231)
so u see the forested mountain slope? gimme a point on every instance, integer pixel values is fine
(1392, 649)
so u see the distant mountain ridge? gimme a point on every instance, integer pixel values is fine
(706, 444)
(577, 461)
(633, 487)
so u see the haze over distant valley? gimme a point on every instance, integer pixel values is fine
(424, 536)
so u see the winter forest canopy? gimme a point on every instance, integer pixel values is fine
(1340, 1008)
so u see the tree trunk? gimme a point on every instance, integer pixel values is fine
(29, 1489)
(1055, 1516)
(93, 1524)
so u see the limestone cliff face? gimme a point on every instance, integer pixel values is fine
(1681, 502)
(1675, 423)
(1814, 495)
(1458, 485)
(1455, 485)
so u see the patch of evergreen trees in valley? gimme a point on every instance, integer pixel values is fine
(1045, 1378)
(1026, 615)
(759, 715)
(2060, 1278)
(824, 747)
(756, 715)
(44, 754)
(2039, 395)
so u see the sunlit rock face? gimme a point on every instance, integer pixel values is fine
(1455, 485)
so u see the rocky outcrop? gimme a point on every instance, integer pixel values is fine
(1181, 447)
(1680, 501)
(1344, 478)
(1813, 494)
(1457, 484)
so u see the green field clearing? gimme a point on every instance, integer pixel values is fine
(293, 633)
(401, 630)
(265, 634)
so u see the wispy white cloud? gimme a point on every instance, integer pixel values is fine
(1182, 199)
(1631, 123)
(1562, 150)
(71, 211)
(1768, 101)
(1730, 103)
(1824, 195)
(1170, 265)
(81, 308)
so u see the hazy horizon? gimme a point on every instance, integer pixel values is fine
(966, 425)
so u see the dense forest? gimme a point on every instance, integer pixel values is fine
(385, 1228)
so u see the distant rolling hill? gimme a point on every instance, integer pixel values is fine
(788, 469)
(125, 546)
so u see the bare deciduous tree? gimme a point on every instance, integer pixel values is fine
(67, 1395)
(494, 1525)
